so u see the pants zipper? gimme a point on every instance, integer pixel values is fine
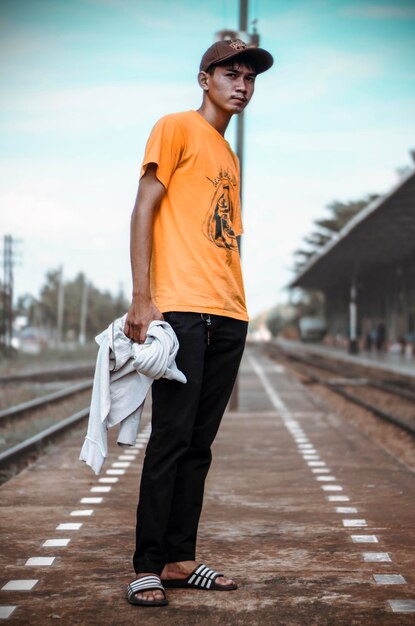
(208, 323)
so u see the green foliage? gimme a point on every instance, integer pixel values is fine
(274, 322)
(102, 306)
(311, 303)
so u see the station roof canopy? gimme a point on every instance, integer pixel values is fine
(381, 234)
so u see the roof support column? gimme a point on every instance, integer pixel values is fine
(353, 344)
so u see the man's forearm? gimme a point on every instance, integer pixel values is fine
(142, 310)
(141, 246)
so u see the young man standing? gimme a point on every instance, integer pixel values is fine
(186, 270)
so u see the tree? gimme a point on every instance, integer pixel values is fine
(274, 322)
(102, 307)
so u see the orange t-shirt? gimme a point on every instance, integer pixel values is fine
(195, 264)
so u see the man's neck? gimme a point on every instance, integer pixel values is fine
(216, 118)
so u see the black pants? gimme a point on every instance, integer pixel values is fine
(185, 420)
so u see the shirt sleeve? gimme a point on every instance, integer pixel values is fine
(164, 148)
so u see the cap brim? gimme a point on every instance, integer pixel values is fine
(261, 58)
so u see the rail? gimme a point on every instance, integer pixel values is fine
(67, 373)
(338, 388)
(21, 449)
(23, 407)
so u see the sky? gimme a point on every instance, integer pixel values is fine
(82, 83)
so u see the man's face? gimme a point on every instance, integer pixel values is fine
(231, 86)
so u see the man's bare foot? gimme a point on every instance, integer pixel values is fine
(183, 569)
(151, 596)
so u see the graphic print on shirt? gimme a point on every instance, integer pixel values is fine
(217, 226)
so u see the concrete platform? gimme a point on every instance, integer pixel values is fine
(314, 521)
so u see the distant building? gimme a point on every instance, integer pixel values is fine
(367, 274)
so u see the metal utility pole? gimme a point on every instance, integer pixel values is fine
(251, 39)
(243, 28)
(84, 313)
(7, 317)
(60, 305)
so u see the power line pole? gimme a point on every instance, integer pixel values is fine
(251, 39)
(84, 313)
(7, 317)
(243, 28)
(60, 305)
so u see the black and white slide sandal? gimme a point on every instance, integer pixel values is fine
(201, 578)
(145, 583)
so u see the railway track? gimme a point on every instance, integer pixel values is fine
(20, 450)
(64, 373)
(348, 377)
(31, 413)
(24, 407)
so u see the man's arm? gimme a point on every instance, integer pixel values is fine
(142, 310)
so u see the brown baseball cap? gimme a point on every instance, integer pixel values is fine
(225, 50)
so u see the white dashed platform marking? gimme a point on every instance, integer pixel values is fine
(55, 543)
(20, 585)
(364, 539)
(402, 606)
(338, 498)
(6, 611)
(69, 526)
(389, 579)
(376, 557)
(81, 512)
(123, 462)
(40, 561)
(307, 450)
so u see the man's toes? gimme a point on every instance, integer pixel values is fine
(221, 580)
(142, 595)
(150, 596)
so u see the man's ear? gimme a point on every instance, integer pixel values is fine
(203, 80)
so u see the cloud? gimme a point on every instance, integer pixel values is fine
(289, 21)
(377, 11)
(70, 214)
(95, 109)
(345, 142)
(325, 74)
(160, 15)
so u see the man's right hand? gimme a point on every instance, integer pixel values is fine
(139, 316)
